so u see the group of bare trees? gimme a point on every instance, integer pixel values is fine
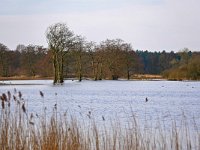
(24, 61)
(71, 56)
(111, 58)
(108, 60)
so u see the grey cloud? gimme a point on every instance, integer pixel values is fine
(171, 25)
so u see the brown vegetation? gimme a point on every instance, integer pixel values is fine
(147, 76)
(25, 78)
(186, 68)
(20, 129)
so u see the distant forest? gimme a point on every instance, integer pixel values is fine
(111, 59)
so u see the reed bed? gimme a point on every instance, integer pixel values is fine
(24, 130)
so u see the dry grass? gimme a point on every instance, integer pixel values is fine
(22, 77)
(135, 76)
(147, 76)
(22, 130)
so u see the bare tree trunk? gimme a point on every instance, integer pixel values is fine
(62, 70)
(59, 68)
(95, 70)
(55, 66)
(128, 74)
(101, 71)
(80, 68)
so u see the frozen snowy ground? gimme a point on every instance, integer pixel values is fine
(167, 100)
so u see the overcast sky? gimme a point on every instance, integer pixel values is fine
(154, 25)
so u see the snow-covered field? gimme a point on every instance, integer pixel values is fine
(148, 100)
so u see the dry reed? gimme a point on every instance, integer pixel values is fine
(20, 130)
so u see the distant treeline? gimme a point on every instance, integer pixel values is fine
(111, 59)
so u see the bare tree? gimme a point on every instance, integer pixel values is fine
(99, 55)
(113, 57)
(129, 62)
(91, 50)
(28, 59)
(60, 40)
(79, 49)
